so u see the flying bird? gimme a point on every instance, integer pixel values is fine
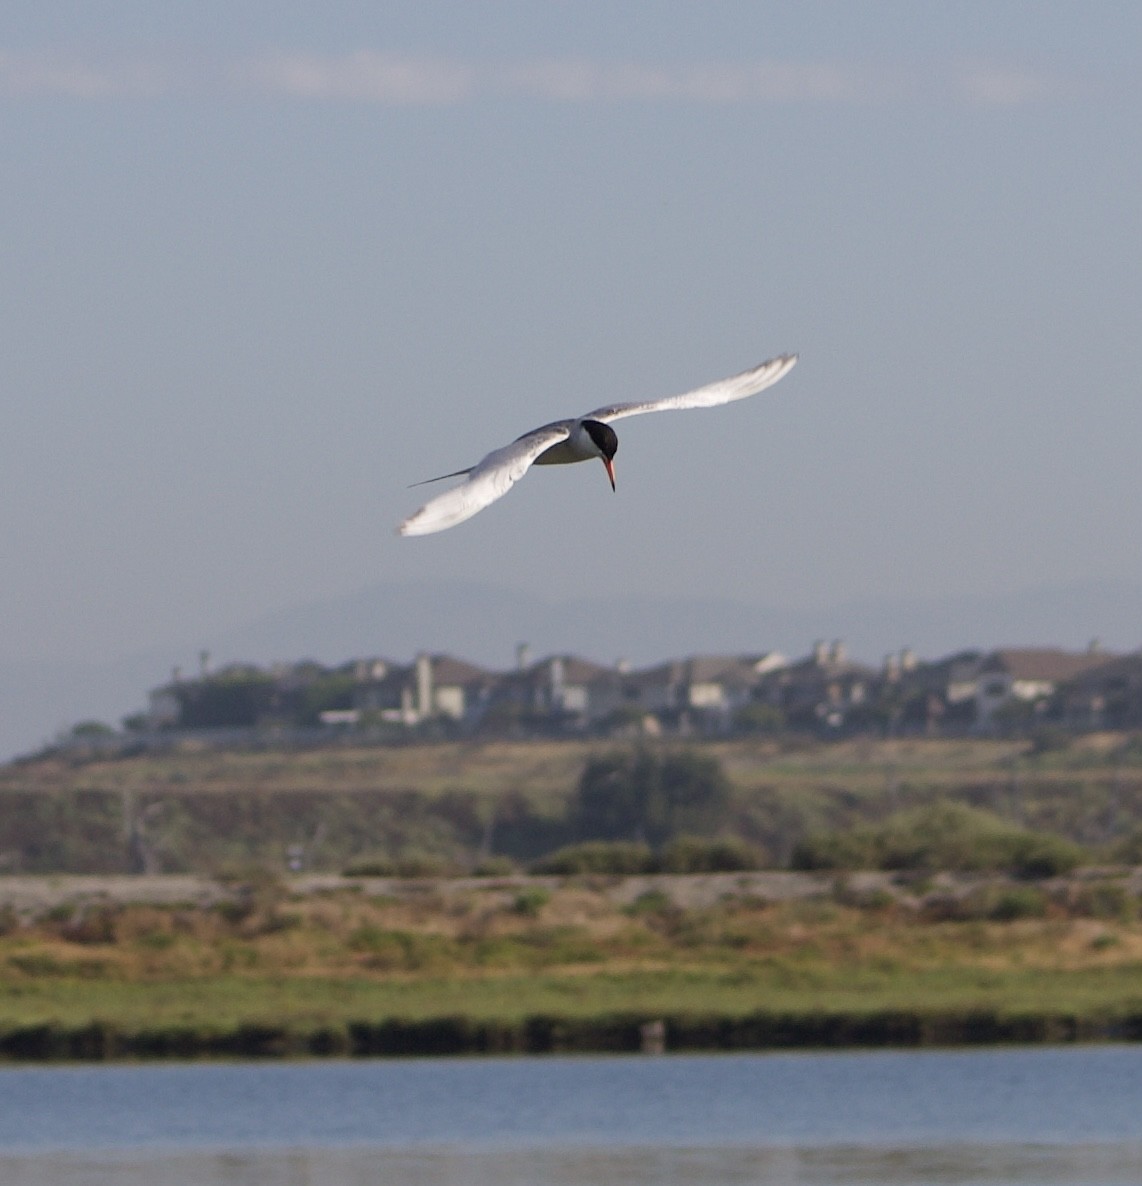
(565, 441)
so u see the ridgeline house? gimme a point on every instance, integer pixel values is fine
(824, 692)
(1029, 676)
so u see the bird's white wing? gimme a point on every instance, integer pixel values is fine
(724, 391)
(492, 478)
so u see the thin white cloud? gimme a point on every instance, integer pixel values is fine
(391, 79)
(584, 81)
(30, 74)
(364, 76)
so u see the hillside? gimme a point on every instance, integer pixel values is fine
(450, 805)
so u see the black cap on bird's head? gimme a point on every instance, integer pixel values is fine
(606, 440)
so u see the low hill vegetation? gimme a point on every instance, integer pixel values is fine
(455, 808)
(259, 966)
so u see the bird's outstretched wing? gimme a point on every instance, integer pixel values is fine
(492, 478)
(724, 391)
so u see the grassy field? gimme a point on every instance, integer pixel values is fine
(525, 965)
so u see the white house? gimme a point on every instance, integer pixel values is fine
(434, 687)
(1027, 674)
(708, 684)
(560, 686)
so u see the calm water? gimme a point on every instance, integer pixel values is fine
(991, 1117)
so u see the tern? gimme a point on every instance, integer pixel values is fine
(565, 441)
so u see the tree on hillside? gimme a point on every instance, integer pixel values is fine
(641, 796)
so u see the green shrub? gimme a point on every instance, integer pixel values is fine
(497, 866)
(650, 902)
(941, 836)
(945, 836)
(1020, 901)
(597, 856)
(529, 902)
(1039, 855)
(854, 849)
(997, 903)
(691, 854)
(424, 865)
(411, 866)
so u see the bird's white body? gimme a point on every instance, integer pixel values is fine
(578, 446)
(563, 442)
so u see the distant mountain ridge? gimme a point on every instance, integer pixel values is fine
(484, 624)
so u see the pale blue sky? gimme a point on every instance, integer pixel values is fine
(266, 264)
